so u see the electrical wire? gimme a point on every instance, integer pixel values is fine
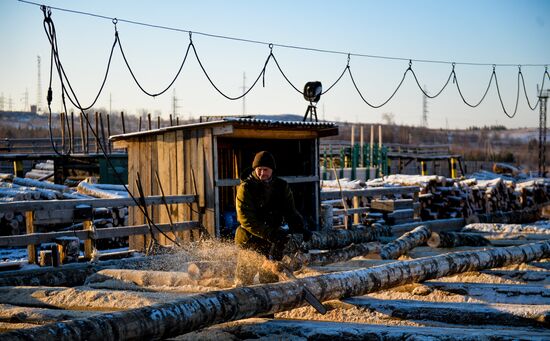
(51, 33)
(62, 77)
(311, 49)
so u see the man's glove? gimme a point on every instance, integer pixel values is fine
(306, 235)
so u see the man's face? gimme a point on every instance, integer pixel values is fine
(263, 173)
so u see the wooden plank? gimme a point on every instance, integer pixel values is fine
(188, 183)
(370, 192)
(289, 179)
(163, 170)
(285, 134)
(171, 180)
(110, 232)
(209, 198)
(50, 205)
(180, 189)
(217, 208)
(134, 242)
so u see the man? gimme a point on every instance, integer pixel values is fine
(264, 203)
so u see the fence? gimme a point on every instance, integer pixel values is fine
(82, 211)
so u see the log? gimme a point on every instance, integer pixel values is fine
(15, 314)
(458, 313)
(39, 184)
(496, 293)
(143, 278)
(543, 229)
(406, 242)
(454, 239)
(337, 239)
(342, 255)
(195, 312)
(327, 330)
(89, 189)
(331, 256)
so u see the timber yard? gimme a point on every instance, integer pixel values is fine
(188, 217)
(392, 256)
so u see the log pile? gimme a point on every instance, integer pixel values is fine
(26, 189)
(443, 198)
(191, 313)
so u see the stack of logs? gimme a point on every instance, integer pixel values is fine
(26, 189)
(442, 198)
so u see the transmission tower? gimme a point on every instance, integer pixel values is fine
(175, 105)
(424, 122)
(244, 90)
(38, 86)
(543, 97)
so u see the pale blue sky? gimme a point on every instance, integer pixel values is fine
(494, 32)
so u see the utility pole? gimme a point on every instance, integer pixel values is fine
(543, 98)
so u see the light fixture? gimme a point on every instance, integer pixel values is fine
(312, 94)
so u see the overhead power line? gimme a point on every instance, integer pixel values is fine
(252, 41)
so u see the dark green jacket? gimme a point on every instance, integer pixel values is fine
(262, 208)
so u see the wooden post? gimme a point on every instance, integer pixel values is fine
(361, 149)
(171, 122)
(158, 122)
(149, 121)
(371, 149)
(31, 248)
(88, 126)
(72, 132)
(82, 137)
(453, 168)
(89, 244)
(123, 123)
(96, 132)
(104, 146)
(18, 168)
(108, 133)
(423, 167)
(62, 119)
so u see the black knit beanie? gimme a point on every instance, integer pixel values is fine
(264, 159)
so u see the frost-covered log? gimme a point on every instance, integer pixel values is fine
(143, 278)
(39, 184)
(260, 329)
(337, 239)
(89, 189)
(17, 195)
(541, 228)
(458, 313)
(454, 239)
(406, 242)
(198, 311)
(39, 315)
(332, 256)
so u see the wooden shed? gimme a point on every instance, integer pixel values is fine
(208, 158)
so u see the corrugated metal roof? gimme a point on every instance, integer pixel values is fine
(237, 121)
(277, 123)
